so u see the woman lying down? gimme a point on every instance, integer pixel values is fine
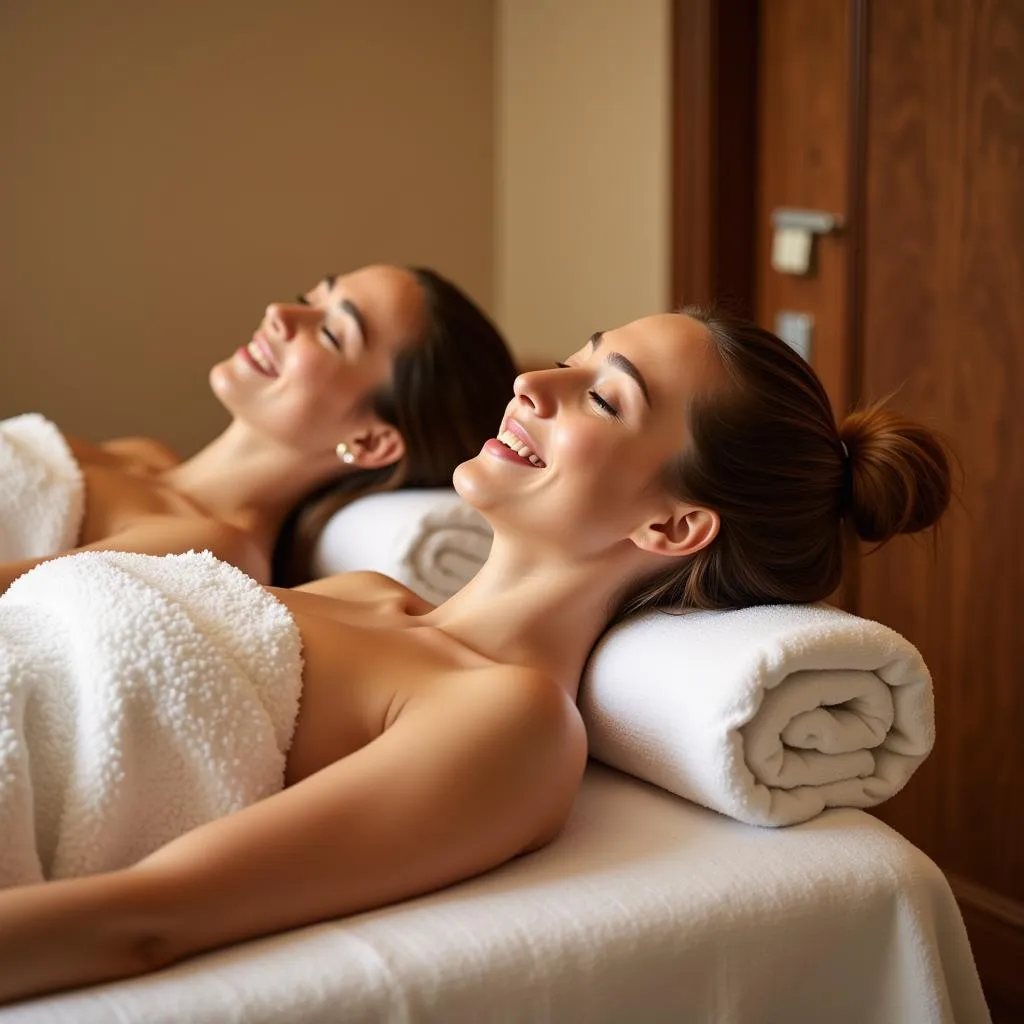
(379, 379)
(191, 759)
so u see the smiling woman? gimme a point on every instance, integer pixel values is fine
(381, 378)
(677, 460)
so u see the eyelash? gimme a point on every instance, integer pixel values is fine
(303, 301)
(602, 403)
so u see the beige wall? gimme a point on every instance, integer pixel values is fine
(582, 181)
(170, 167)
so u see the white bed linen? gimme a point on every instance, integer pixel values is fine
(647, 909)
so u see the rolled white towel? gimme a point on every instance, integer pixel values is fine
(766, 714)
(430, 540)
(42, 494)
(140, 697)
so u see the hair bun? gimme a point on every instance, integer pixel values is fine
(899, 477)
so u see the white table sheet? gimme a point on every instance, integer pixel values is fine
(646, 909)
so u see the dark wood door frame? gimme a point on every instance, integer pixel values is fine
(714, 142)
(715, 46)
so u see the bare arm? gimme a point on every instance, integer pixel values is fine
(456, 786)
(164, 535)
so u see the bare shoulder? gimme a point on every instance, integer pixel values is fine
(131, 454)
(531, 713)
(369, 588)
(141, 453)
(514, 724)
(168, 534)
(235, 546)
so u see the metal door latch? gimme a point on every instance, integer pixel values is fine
(793, 232)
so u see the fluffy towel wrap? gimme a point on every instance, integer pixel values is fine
(429, 539)
(140, 697)
(42, 495)
(766, 714)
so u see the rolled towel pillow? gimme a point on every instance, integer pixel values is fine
(42, 493)
(429, 539)
(767, 714)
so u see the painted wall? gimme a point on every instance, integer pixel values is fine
(170, 167)
(583, 148)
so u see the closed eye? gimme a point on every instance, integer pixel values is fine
(331, 338)
(602, 403)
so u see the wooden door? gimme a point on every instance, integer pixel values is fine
(943, 322)
(906, 119)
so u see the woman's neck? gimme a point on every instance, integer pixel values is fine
(248, 481)
(545, 611)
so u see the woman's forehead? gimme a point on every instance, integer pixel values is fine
(388, 298)
(674, 351)
(663, 334)
(667, 333)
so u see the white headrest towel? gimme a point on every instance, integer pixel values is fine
(428, 539)
(42, 495)
(767, 714)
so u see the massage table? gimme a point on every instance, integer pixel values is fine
(646, 909)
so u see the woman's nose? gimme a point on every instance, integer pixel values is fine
(533, 389)
(284, 319)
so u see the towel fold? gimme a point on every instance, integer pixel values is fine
(42, 494)
(766, 714)
(430, 540)
(140, 697)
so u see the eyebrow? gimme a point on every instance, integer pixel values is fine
(620, 362)
(348, 306)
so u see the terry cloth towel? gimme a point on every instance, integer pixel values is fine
(42, 494)
(140, 697)
(428, 539)
(766, 714)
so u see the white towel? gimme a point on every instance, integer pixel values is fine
(766, 714)
(140, 697)
(42, 494)
(429, 539)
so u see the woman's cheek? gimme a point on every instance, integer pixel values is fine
(583, 444)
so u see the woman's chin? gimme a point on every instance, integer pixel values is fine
(217, 378)
(224, 385)
(472, 486)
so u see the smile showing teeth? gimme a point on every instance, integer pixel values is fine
(260, 359)
(509, 440)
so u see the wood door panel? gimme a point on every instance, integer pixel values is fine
(944, 323)
(803, 159)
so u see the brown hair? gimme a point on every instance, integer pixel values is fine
(765, 453)
(448, 390)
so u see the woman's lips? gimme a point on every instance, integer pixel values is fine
(248, 357)
(515, 427)
(494, 447)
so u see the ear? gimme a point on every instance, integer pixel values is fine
(378, 445)
(684, 531)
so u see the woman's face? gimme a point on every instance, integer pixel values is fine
(305, 376)
(598, 432)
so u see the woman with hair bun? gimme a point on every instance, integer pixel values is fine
(787, 484)
(679, 461)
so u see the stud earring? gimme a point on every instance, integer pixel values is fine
(345, 454)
